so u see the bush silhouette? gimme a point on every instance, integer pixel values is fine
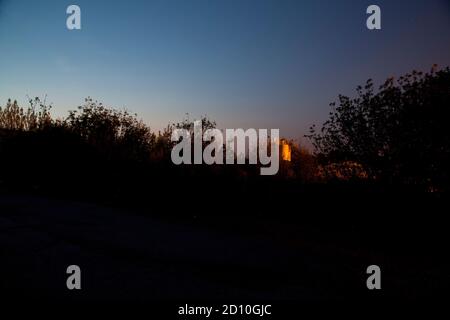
(114, 133)
(35, 117)
(398, 135)
(96, 151)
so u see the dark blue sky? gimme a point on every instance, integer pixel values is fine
(245, 63)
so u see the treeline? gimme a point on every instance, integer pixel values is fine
(104, 153)
(396, 136)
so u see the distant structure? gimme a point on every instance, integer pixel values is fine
(285, 150)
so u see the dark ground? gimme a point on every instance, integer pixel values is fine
(315, 250)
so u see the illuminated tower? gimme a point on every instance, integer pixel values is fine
(285, 151)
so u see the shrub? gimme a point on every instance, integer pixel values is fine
(35, 117)
(396, 135)
(111, 132)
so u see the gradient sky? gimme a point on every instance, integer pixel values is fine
(244, 63)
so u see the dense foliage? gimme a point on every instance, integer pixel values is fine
(398, 134)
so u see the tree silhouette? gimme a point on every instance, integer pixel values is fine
(398, 134)
(113, 132)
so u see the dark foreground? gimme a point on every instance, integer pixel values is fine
(125, 255)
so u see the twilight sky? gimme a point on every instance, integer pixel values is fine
(244, 63)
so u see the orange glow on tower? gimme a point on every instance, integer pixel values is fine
(285, 151)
